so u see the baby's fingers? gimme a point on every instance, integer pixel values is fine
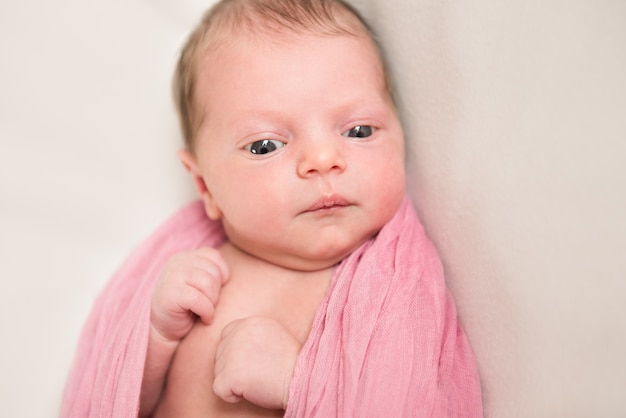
(223, 389)
(212, 260)
(206, 282)
(195, 301)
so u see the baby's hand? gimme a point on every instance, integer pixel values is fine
(189, 286)
(255, 361)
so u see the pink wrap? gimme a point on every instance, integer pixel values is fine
(384, 342)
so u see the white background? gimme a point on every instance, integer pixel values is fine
(515, 113)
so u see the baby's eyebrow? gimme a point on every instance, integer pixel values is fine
(247, 125)
(255, 118)
(365, 107)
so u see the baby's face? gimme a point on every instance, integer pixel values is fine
(300, 148)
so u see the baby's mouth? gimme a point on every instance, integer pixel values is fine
(328, 203)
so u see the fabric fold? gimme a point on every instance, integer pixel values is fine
(386, 341)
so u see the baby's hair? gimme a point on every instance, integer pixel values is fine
(229, 18)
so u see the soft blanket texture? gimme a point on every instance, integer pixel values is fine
(384, 342)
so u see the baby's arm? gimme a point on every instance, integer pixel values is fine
(188, 288)
(255, 361)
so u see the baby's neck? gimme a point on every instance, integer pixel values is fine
(247, 267)
(273, 290)
(237, 256)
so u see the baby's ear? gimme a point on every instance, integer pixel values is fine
(191, 165)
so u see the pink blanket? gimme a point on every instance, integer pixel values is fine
(385, 341)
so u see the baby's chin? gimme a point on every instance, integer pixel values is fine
(315, 259)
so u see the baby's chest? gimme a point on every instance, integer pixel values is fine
(189, 390)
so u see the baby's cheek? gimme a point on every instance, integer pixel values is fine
(392, 188)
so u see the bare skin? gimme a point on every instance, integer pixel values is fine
(255, 289)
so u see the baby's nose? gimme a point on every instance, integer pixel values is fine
(320, 156)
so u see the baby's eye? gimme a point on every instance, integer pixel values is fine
(359, 131)
(264, 146)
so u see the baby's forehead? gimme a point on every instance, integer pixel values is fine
(334, 73)
(247, 49)
(233, 63)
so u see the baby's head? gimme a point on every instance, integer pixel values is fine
(291, 134)
(230, 19)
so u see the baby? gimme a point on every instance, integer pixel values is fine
(294, 145)
(302, 284)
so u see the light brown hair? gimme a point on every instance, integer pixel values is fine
(228, 18)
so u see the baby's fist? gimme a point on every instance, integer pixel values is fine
(255, 361)
(189, 286)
